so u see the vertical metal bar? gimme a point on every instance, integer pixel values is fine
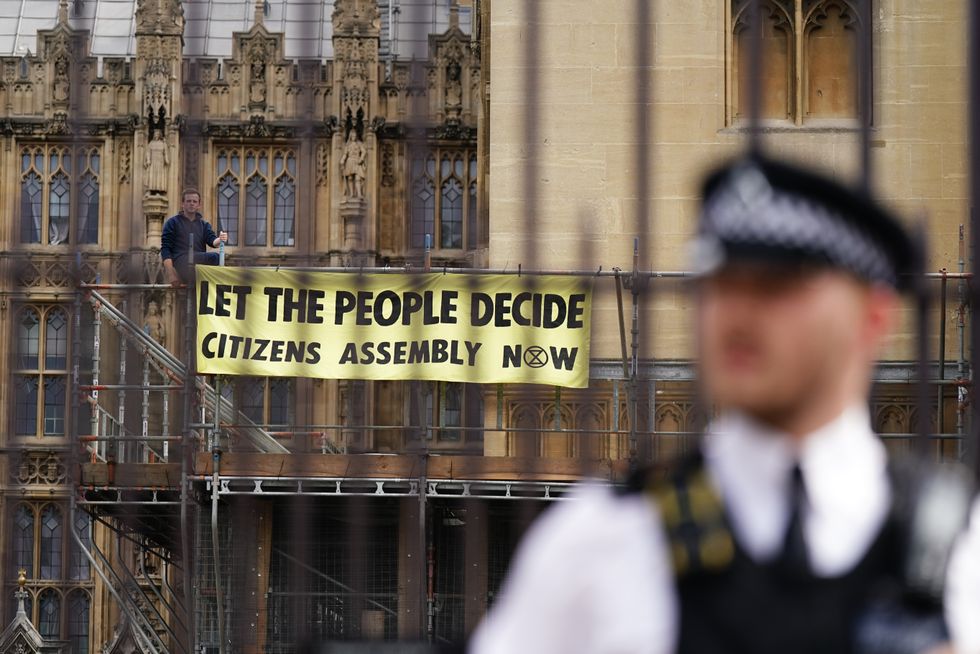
(961, 359)
(96, 362)
(643, 244)
(941, 388)
(216, 549)
(557, 408)
(145, 409)
(532, 119)
(122, 446)
(187, 451)
(165, 422)
(865, 81)
(755, 74)
(634, 351)
(923, 424)
(973, 111)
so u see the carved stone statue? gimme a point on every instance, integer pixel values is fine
(155, 163)
(62, 86)
(353, 165)
(454, 88)
(256, 89)
(154, 322)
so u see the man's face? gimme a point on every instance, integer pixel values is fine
(190, 205)
(772, 339)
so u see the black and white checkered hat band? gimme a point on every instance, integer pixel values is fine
(749, 212)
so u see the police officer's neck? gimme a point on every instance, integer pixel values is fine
(800, 422)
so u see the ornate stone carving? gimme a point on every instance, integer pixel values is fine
(156, 90)
(125, 161)
(387, 164)
(322, 164)
(357, 17)
(257, 128)
(159, 17)
(40, 468)
(28, 274)
(58, 125)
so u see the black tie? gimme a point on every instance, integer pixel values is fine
(794, 560)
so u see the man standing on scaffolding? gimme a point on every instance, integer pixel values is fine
(791, 529)
(188, 234)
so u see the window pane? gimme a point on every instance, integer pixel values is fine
(253, 400)
(78, 610)
(58, 202)
(79, 566)
(50, 542)
(285, 212)
(26, 405)
(23, 541)
(228, 207)
(49, 614)
(28, 340)
(451, 219)
(30, 208)
(452, 411)
(423, 209)
(255, 211)
(279, 401)
(54, 406)
(471, 215)
(56, 340)
(88, 209)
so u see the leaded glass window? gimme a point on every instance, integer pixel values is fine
(443, 200)
(256, 195)
(59, 194)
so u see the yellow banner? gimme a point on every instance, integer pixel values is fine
(431, 326)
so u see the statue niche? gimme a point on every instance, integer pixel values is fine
(454, 91)
(61, 85)
(353, 161)
(156, 161)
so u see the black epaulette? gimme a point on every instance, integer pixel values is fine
(691, 513)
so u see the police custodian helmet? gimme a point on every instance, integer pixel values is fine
(759, 209)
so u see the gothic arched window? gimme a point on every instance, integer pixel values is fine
(49, 614)
(59, 194)
(23, 540)
(40, 404)
(443, 200)
(254, 198)
(78, 617)
(51, 545)
(809, 59)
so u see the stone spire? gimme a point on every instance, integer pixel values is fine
(259, 12)
(62, 12)
(20, 595)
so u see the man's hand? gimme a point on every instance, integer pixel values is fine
(171, 273)
(222, 238)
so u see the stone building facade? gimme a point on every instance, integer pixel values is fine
(361, 133)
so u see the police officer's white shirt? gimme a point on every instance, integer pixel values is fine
(593, 575)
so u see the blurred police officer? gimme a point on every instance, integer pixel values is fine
(790, 530)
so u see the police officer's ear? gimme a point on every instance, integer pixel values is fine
(881, 312)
